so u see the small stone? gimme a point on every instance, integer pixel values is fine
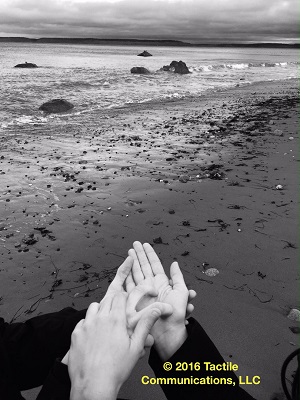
(291, 138)
(279, 187)
(294, 315)
(277, 132)
(184, 178)
(211, 272)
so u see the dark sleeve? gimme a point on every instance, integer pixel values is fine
(8, 389)
(197, 348)
(57, 385)
(32, 347)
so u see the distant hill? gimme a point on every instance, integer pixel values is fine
(140, 42)
(125, 42)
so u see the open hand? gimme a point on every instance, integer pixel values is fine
(168, 333)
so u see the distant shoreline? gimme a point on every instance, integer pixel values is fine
(145, 42)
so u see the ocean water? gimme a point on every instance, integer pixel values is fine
(96, 78)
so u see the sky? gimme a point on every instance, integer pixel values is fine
(196, 21)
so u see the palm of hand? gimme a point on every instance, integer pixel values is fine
(166, 294)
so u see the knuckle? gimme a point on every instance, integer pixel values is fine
(94, 304)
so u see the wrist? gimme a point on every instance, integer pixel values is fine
(170, 341)
(87, 393)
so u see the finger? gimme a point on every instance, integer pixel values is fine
(143, 353)
(149, 341)
(129, 283)
(141, 290)
(118, 308)
(177, 277)
(190, 308)
(91, 312)
(79, 324)
(154, 261)
(143, 328)
(137, 273)
(165, 311)
(105, 305)
(192, 295)
(121, 275)
(143, 260)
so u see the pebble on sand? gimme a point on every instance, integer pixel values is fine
(294, 315)
(184, 178)
(211, 272)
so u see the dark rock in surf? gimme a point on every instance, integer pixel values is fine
(139, 70)
(56, 106)
(178, 67)
(26, 65)
(145, 53)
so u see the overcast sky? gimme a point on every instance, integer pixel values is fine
(189, 20)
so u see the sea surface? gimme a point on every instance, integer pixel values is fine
(96, 78)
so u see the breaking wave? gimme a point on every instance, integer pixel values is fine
(239, 66)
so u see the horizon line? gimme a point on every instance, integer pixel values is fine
(177, 41)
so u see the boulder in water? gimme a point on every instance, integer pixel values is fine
(26, 65)
(179, 67)
(56, 106)
(139, 70)
(145, 53)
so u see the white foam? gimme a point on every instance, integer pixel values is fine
(26, 119)
(237, 66)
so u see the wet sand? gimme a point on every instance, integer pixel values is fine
(195, 179)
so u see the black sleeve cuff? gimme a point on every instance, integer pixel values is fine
(57, 385)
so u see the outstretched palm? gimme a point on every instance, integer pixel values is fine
(174, 292)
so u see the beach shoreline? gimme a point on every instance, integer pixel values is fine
(198, 179)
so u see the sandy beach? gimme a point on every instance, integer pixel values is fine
(211, 182)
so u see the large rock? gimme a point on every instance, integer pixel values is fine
(26, 65)
(179, 67)
(139, 70)
(56, 106)
(145, 53)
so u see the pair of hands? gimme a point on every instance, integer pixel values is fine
(141, 307)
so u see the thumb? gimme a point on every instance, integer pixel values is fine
(177, 277)
(144, 327)
(165, 311)
(121, 275)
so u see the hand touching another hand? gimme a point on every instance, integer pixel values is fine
(146, 288)
(103, 353)
(168, 333)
